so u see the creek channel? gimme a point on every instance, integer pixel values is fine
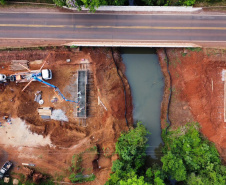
(147, 84)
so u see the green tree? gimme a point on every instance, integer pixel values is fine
(60, 2)
(2, 2)
(188, 157)
(187, 2)
(131, 148)
(174, 166)
(154, 2)
(91, 4)
(134, 181)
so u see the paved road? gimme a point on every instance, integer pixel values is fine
(112, 27)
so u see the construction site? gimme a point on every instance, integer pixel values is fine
(58, 104)
(62, 107)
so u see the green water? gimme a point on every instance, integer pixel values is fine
(147, 84)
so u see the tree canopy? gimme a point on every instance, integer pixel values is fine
(187, 158)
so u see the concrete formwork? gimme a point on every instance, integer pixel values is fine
(81, 90)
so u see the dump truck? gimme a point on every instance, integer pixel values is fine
(5, 168)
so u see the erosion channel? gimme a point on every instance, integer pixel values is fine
(147, 84)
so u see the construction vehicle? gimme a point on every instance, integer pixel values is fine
(3, 78)
(21, 77)
(36, 78)
(38, 75)
(34, 75)
(5, 168)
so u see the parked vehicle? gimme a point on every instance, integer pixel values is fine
(5, 168)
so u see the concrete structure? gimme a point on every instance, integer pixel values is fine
(158, 29)
(143, 8)
(81, 92)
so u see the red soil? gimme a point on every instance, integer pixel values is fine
(102, 127)
(198, 91)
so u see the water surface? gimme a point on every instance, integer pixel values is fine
(147, 83)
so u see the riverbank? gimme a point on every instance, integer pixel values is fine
(197, 91)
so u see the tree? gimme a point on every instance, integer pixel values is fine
(188, 157)
(131, 148)
(134, 181)
(2, 2)
(91, 4)
(174, 166)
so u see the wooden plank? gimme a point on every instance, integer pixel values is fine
(45, 111)
(19, 61)
(19, 65)
(224, 97)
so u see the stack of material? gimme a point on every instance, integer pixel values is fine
(38, 96)
(6, 180)
(17, 65)
(15, 182)
(45, 112)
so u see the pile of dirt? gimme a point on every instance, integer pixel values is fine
(197, 91)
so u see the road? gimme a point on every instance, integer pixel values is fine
(112, 28)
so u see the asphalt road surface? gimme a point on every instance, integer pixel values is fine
(112, 27)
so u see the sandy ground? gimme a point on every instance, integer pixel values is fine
(18, 134)
(197, 91)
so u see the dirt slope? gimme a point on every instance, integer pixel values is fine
(198, 91)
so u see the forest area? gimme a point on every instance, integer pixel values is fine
(187, 158)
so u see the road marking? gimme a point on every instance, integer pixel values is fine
(154, 27)
(113, 27)
(35, 25)
(110, 13)
(112, 40)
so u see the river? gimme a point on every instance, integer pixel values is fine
(147, 84)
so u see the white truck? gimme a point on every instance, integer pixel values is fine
(5, 168)
(2, 78)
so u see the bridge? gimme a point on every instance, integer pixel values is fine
(115, 29)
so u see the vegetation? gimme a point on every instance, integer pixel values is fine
(191, 158)
(195, 49)
(2, 2)
(77, 170)
(93, 4)
(187, 158)
(130, 167)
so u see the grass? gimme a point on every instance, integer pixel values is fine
(184, 54)
(195, 49)
(175, 62)
(76, 170)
